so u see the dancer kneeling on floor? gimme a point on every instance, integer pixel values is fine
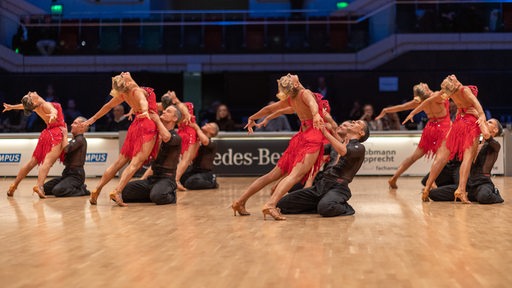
(199, 174)
(480, 187)
(160, 186)
(71, 183)
(329, 196)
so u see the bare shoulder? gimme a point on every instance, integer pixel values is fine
(47, 107)
(306, 93)
(139, 92)
(467, 91)
(437, 96)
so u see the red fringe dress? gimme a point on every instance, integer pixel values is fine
(187, 133)
(464, 131)
(141, 130)
(435, 132)
(50, 136)
(307, 141)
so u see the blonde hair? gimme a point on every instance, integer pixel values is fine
(285, 87)
(419, 92)
(449, 85)
(119, 85)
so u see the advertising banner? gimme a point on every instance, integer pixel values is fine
(238, 154)
(14, 153)
(253, 156)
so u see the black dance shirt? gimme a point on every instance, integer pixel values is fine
(168, 156)
(75, 152)
(348, 165)
(205, 156)
(486, 157)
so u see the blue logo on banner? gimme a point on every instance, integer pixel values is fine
(10, 157)
(96, 157)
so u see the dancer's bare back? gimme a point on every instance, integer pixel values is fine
(307, 108)
(436, 108)
(137, 99)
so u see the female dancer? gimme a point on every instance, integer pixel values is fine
(188, 134)
(462, 140)
(435, 130)
(50, 143)
(304, 150)
(139, 144)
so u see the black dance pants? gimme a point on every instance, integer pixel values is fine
(327, 198)
(70, 184)
(157, 189)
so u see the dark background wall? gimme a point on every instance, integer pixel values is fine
(246, 92)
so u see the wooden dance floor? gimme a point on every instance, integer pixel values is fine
(393, 240)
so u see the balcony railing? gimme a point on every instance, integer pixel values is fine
(235, 32)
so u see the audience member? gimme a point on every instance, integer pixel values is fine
(280, 123)
(369, 117)
(21, 41)
(223, 119)
(119, 121)
(355, 111)
(391, 121)
(47, 36)
(14, 122)
(208, 115)
(71, 113)
(328, 94)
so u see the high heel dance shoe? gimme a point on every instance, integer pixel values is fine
(240, 208)
(39, 190)
(392, 183)
(424, 195)
(274, 212)
(116, 197)
(462, 196)
(11, 190)
(93, 199)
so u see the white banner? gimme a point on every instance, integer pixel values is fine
(384, 153)
(235, 156)
(14, 153)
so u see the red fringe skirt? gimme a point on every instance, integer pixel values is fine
(188, 137)
(462, 135)
(48, 138)
(304, 142)
(434, 134)
(141, 130)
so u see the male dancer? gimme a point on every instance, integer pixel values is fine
(329, 196)
(160, 186)
(50, 143)
(71, 183)
(303, 155)
(435, 130)
(140, 138)
(199, 174)
(480, 187)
